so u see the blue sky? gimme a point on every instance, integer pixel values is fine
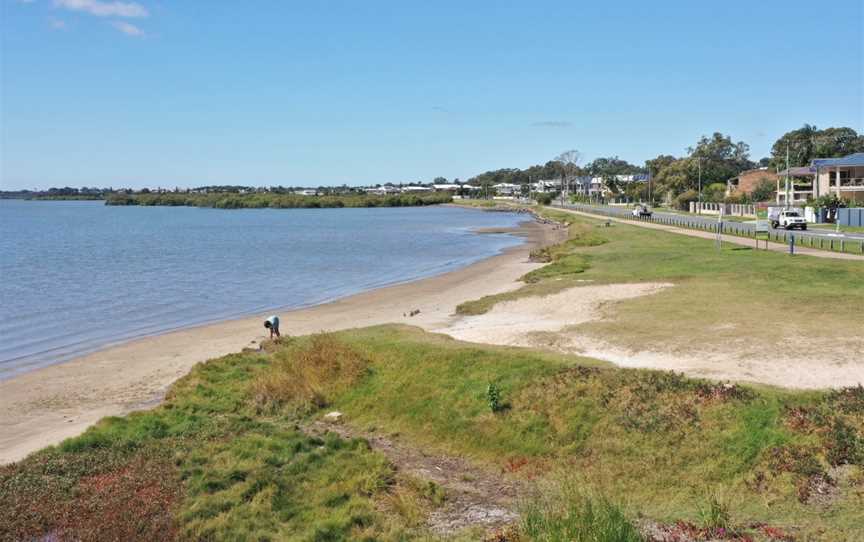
(156, 93)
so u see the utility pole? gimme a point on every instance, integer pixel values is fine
(650, 202)
(787, 176)
(700, 185)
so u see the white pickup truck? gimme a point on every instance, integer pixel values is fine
(641, 211)
(788, 219)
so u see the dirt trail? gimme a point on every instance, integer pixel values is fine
(474, 496)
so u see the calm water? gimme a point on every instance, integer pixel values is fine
(76, 276)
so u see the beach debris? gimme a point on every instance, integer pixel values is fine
(414, 312)
(333, 417)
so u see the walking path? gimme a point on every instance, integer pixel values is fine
(472, 496)
(774, 247)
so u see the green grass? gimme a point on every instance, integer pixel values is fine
(661, 441)
(216, 461)
(568, 514)
(729, 297)
(221, 471)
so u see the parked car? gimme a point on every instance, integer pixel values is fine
(788, 219)
(641, 211)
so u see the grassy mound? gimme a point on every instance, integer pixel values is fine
(223, 458)
(204, 465)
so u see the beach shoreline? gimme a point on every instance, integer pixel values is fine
(50, 404)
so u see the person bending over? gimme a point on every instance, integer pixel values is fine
(272, 324)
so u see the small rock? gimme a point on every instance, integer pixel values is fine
(333, 417)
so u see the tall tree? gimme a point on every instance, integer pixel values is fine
(568, 164)
(808, 142)
(720, 158)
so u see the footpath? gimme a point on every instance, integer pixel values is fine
(733, 239)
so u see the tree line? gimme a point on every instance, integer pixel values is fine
(708, 165)
(275, 200)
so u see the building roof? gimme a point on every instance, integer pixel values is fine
(803, 171)
(856, 159)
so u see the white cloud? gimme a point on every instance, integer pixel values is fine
(104, 9)
(128, 29)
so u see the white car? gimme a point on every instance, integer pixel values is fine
(788, 219)
(641, 211)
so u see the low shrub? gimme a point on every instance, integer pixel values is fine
(843, 445)
(714, 514)
(307, 377)
(569, 514)
(493, 397)
(543, 198)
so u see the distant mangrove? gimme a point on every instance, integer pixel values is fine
(275, 201)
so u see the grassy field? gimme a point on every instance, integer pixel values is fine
(734, 296)
(223, 458)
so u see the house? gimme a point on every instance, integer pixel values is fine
(843, 177)
(507, 189)
(449, 187)
(598, 187)
(306, 192)
(747, 181)
(383, 190)
(547, 185)
(799, 187)
(416, 189)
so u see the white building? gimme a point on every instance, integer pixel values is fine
(507, 189)
(416, 189)
(449, 187)
(383, 190)
(547, 185)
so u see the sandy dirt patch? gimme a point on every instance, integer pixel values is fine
(552, 323)
(527, 321)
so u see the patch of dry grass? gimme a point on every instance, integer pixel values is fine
(305, 378)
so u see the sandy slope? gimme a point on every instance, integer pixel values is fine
(48, 405)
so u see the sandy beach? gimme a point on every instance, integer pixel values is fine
(48, 405)
(45, 406)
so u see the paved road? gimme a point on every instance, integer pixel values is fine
(734, 239)
(712, 220)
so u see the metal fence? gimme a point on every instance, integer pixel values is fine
(740, 229)
(851, 217)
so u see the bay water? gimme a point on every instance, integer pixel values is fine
(76, 276)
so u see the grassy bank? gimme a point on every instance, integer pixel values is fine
(736, 296)
(223, 458)
(275, 201)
